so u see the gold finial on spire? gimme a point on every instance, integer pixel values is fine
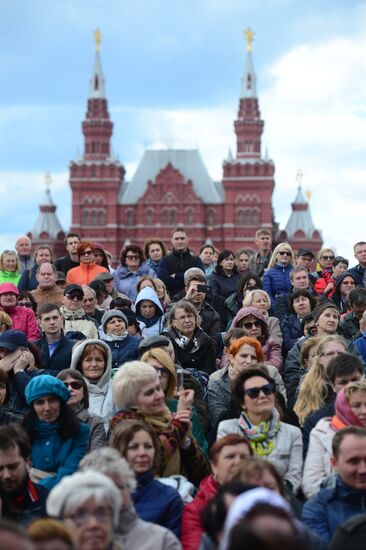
(308, 194)
(249, 37)
(48, 180)
(98, 39)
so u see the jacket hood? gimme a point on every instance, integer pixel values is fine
(103, 382)
(340, 279)
(244, 312)
(148, 293)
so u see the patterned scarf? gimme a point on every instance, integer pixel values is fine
(261, 435)
(190, 345)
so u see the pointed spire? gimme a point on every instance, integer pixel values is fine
(47, 222)
(249, 80)
(230, 157)
(97, 83)
(300, 219)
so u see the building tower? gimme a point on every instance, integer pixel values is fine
(300, 230)
(47, 229)
(248, 179)
(96, 178)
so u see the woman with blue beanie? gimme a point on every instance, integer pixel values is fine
(59, 440)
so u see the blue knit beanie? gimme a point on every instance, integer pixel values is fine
(43, 385)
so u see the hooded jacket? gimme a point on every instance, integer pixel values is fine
(126, 281)
(24, 319)
(154, 325)
(342, 305)
(272, 350)
(100, 394)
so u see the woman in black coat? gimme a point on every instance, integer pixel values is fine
(226, 279)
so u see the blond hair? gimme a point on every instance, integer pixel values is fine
(279, 247)
(314, 388)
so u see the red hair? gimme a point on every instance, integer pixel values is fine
(246, 340)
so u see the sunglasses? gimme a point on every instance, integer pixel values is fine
(132, 257)
(327, 257)
(26, 304)
(73, 297)
(282, 253)
(86, 253)
(75, 385)
(163, 371)
(250, 324)
(267, 389)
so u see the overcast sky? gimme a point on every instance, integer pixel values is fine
(173, 77)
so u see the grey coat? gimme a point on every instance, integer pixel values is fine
(219, 392)
(287, 453)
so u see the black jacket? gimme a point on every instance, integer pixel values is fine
(61, 357)
(202, 359)
(177, 264)
(65, 263)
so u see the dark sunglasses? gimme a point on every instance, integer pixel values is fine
(74, 296)
(327, 257)
(250, 324)
(86, 253)
(132, 257)
(26, 304)
(281, 253)
(252, 287)
(75, 385)
(267, 389)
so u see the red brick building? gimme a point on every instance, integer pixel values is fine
(173, 187)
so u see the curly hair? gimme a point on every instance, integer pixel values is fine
(131, 248)
(149, 242)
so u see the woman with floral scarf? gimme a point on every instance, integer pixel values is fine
(259, 422)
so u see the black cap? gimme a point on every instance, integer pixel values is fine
(156, 341)
(75, 289)
(305, 252)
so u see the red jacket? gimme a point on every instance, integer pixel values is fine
(24, 319)
(84, 274)
(192, 529)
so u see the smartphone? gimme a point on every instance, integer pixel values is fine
(180, 377)
(203, 288)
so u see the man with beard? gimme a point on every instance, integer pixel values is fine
(22, 499)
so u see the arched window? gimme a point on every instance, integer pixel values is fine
(93, 220)
(240, 216)
(189, 216)
(165, 216)
(211, 217)
(85, 216)
(101, 217)
(173, 216)
(130, 218)
(255, 218)
(248, 217)
(149, 216)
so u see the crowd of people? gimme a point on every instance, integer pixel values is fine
(207, 402)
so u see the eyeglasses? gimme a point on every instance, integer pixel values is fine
(75, 384)
(162, 371)
(250, 324)
(252, 287)
(86, 253)
(103, 515)
(133, 257)
(267, 389)
(74, 297)
(327, 257)
(283, 253)
(26, 304)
